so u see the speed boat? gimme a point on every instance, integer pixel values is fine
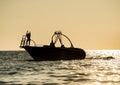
(51, 51)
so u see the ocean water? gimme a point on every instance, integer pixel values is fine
(101, 67)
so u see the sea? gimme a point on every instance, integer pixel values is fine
(101, 67)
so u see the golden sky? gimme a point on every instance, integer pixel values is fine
(90, 24)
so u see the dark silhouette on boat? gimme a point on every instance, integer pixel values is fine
(51, 52)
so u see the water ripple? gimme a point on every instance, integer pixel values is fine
(99, 68)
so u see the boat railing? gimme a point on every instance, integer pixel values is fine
(58, 36)
(26, 41)
(23, 41)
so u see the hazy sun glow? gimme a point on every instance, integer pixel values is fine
(90, 24)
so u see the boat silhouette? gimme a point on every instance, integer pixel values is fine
(51, 52)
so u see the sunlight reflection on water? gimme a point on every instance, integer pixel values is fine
(96, 69)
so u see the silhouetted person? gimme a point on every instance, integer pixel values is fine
(52, 44)
(28, 35)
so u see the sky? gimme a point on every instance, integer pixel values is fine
(90, 24)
